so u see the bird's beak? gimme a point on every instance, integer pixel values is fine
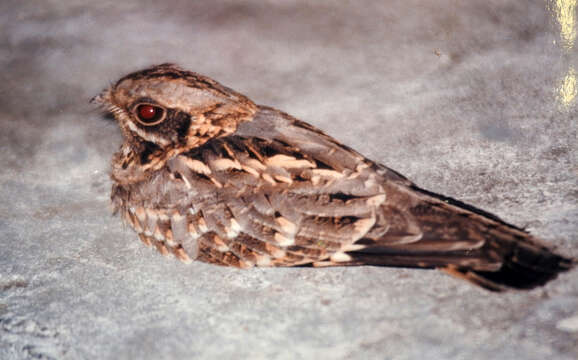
(101, 99)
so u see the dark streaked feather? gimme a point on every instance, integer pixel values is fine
(231, 183)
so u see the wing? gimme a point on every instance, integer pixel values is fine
(281, 193)
(278, 192)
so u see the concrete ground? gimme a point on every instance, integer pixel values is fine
(470, 99)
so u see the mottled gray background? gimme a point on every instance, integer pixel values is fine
(461, 96)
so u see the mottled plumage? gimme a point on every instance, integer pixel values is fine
(206, 174)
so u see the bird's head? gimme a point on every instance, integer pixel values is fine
(165, 108)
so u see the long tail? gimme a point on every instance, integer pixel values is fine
(444, 233)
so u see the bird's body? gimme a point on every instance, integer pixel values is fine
(206, 174)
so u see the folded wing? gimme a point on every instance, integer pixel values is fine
(281, 193)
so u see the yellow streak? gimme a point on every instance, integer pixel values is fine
(568, 88)
(566, 15)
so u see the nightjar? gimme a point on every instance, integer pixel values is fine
(206, 174)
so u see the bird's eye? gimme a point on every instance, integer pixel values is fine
(148, 114)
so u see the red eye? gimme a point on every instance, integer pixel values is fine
(149, 114)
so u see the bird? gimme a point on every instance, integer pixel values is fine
(206, 174)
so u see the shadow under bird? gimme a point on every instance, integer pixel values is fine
(206, 174)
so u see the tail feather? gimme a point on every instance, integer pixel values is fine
(528, 268)
(500, 255)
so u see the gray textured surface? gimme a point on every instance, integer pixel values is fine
(459, 96)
